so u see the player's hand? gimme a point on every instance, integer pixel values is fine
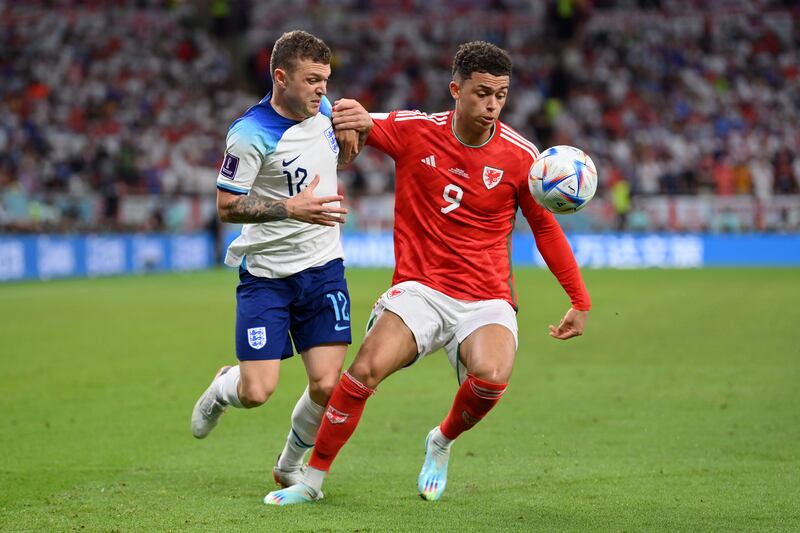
(348, 146)
(349, 114)
(570, 326)
(306, 207)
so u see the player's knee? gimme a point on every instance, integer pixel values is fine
(320, 390)
(373, 363)
(492, 373)
(366, 372)
(253, 395)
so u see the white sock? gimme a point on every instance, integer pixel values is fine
(228, 387)
(314, 479)
(440, 440)
(306, 418)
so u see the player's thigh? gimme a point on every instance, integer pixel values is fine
(489, 353)
(488, 343)
(425, 313)
(262, 318)
(321, 315)
(388, 347)
(324, 366)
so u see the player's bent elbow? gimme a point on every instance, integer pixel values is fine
(224, 215)
(225, 201)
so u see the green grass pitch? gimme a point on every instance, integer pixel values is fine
(679, 409)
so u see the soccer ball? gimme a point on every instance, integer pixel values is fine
(563, 179)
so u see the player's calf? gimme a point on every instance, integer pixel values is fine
(473, 401)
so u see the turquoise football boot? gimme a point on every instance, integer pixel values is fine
(433, 476)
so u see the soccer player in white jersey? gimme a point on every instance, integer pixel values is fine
(279, 179)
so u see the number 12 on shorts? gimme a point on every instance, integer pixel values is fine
(452, 194)
(339, 302)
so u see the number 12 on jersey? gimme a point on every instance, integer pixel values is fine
(300, 174)
(452, 195)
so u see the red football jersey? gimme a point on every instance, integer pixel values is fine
(455, 207)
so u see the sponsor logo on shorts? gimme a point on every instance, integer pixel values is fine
(229, 166)
(335, 416)
(257, 337)
(393, 293)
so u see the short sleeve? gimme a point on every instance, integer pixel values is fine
(325, 107)
(242, 161)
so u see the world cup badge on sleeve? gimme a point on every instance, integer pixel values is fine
(229, 166)
(257, 337)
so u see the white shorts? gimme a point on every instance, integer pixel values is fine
(439, 321)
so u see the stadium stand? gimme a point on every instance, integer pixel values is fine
(113, 116)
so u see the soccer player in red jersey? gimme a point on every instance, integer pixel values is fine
(461, 175)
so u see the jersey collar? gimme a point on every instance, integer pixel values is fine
(266, 102)
(484, 143)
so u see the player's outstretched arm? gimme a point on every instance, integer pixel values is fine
(349, 114)
(556, 252)
(305, 207)
(571, 325)
(352, 124)
(349, 146)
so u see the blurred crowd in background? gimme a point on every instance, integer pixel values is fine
(113, 115)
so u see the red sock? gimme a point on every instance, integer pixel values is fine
(340, 420)
(474, 399)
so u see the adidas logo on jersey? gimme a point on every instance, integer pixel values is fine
(430, 161)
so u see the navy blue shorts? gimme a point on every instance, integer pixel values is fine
(312, 305)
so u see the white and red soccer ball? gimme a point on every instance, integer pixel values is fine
(563, 179)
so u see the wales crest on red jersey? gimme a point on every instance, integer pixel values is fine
(492, 176)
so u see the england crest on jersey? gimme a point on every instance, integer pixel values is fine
(492, 176)
(331, 137)
(257, 337)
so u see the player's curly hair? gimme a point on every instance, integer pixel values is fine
(480, 56)
(296, 45)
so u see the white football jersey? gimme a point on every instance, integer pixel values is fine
(274, 157)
